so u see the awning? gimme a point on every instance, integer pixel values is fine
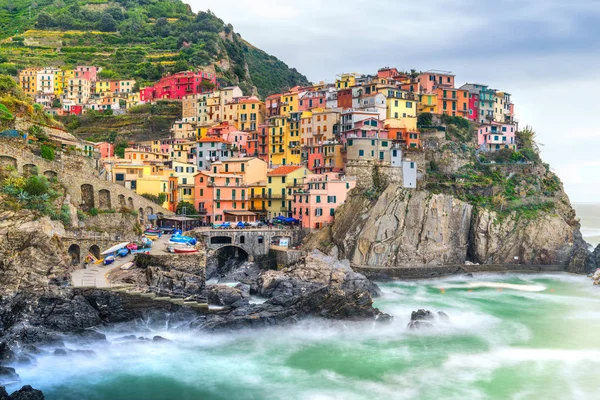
(240, 213)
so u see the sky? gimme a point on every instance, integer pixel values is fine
(544, 52)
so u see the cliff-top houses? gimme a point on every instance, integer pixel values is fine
(236, 157)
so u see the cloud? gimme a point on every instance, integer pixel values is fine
(541, 51)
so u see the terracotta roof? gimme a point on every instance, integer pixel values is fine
(284, 170)
(274, 96)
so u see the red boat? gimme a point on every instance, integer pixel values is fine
(190, 250)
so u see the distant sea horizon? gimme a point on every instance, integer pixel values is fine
(589, 215)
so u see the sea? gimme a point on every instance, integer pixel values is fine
(508, 337)
(589, 214)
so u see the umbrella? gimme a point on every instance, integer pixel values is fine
(115, 248)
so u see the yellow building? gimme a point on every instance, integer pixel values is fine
(399, 103)
(258, 198)
(285, 149)
(182, 152)
(185, 180)
(155, 185)
(281, 183)
(289, 102)
(251, 113)
(28, 80)
(102, 88)
(61, 81)
(345, 81)
(428, 103)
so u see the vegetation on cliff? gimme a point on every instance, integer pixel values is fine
(141, 39)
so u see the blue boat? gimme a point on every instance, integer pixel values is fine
(182, 239)
(123, 252)
(109, 259)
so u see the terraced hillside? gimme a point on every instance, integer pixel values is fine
(140, 39)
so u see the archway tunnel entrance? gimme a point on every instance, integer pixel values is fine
(94, 250)
(75, 254)
(226, 261)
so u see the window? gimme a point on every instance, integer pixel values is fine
(218, 204)
(384, 143)
(381, 155)
(332, 212)
(318, 199)
(361, 153)
(184, 181)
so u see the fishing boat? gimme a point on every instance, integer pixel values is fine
(114, 249)
(153, 234)
(185, 250)
(182, 239)
(109, 259)
(123, 252)
(154, 230)
(132, 246)
(141, 251)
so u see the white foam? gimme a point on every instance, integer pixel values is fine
(496, 285)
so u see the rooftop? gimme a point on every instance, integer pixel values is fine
(284, 170)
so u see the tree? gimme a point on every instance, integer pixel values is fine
(108, 23)
(187, 206)
(45, 20)
(425, 119)
(56, 103)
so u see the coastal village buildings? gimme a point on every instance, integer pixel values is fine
(236, 157)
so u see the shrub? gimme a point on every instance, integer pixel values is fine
(36, 185)
(93, 212)
(47, 152)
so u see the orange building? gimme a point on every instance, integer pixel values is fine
(409, 139)
(222, 197)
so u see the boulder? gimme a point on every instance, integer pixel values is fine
(222, 295)
(8, 374)
(27, 393)
(160, 339)
(425, 319)
(3, 394)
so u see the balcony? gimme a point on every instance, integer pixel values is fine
(202, 211)
(263, 196)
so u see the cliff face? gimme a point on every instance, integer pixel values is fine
(405, 228)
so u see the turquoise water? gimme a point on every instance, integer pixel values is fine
(500, 344)
(589, 214)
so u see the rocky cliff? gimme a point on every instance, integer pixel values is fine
(406, 228)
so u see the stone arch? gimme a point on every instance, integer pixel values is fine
(50, 174)
(121, 199)
(242, 239)
(30, 170)
(141, 215)
(75, 254)
(221, 240)
(87, 197)
(104, 199)
(229, 252)
(6, 161)
(148, 211)
(95, 251)
(130, 203)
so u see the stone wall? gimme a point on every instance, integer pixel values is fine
(363, 172)
(82, 183)
(284, 257)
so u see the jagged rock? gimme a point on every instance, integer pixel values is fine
(8, 374)
(27, 393)
(425, 319)
(222, 295)
(126, 338)
(160, 339)
(59, 352)
(3, 394)
(593, 260)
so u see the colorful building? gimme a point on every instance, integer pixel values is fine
(176, 86)
(314, 204)
(281, 183)
(497, 136)
(28, 80)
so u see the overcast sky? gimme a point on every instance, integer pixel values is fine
(544, 52)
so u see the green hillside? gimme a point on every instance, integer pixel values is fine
(140, 39)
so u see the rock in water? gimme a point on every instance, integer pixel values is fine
(160, 339)
(424, 319)
(8, 374)
(3, 394)
(27, 393)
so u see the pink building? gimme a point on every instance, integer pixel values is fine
(105, 149)
(473, 106)
(87, 72)
(434, 79)
(497, 136)
(315, 204)
(176, 86)
(222, 197)
(239, 139)
(370, 127)
(312, 99)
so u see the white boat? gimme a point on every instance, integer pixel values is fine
(115, 248)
